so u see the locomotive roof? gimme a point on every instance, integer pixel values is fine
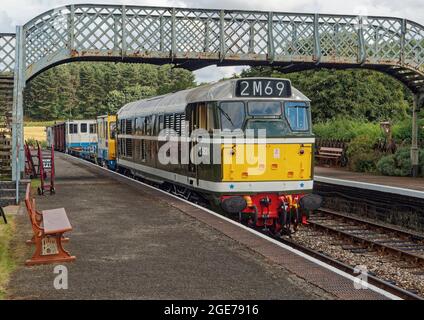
(177, 102)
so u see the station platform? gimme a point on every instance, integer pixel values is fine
(400, 185)
(134, 242)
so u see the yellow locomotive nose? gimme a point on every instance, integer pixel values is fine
(273, 162)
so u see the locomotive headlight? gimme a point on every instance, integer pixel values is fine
(302, 151)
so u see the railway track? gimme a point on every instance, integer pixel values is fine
(371, 236)
(371, 278)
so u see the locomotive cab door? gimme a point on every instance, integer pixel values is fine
(201, 117)
(191, 116)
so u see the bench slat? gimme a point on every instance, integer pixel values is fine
(331, 149)
(56, 221)
(329, 154)
(327, 157)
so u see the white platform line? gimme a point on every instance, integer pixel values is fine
(282, 245)
(372, 186)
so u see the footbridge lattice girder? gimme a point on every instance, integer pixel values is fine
(194, 38)
(198, 37)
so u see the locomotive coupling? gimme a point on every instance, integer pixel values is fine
(266, 201)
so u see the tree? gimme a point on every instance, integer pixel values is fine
(86, 90)
(363, 94)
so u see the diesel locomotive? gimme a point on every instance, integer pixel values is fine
(244, 146)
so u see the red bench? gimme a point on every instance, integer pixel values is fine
(48, 228)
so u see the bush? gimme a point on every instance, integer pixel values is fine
(386, 165)
(402, 131)
(361, 154)
(398, 164)
(348, 129)
(33, 143)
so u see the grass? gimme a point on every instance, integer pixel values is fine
(7, 263)
(35, 183)
(40, 123)
(35, 133)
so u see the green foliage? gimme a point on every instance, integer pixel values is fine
(85, 90)
(386, 165)
(7, 261)
(347, 129)
(33, 143)
(398, 164)
(40, 123)
(357, 94)
(361, 154)
(421, 161)
(402, 130)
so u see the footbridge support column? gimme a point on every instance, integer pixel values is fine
(18, 160)
(418, 104)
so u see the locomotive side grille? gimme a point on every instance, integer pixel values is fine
(128, 146)
(182, 124)
(128, 126)
(178, 123)
(167, 123)
(143, 150)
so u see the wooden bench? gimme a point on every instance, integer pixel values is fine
(48, 228)
(330, 154)
(33, 213)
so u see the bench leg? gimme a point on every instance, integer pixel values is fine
(49, 249)
(32, 241)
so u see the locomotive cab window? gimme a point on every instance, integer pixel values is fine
(264, 108)
(112, 130)
(83, 128)
(297, 116)
(232, 115)
(269, 127)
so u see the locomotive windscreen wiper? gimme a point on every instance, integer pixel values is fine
(226, 116)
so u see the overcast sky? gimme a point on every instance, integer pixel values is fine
(13, 12)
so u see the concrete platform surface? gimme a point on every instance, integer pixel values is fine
(399, 182)
(131, 244)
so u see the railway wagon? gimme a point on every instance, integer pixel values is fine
(106, 146)
(58, 135)
(76, 136)
(81, 139)
(245, 145)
